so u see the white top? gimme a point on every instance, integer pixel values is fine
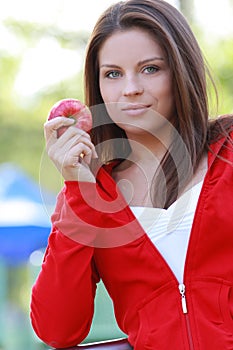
(169, 229)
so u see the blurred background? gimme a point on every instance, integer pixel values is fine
(42, 46)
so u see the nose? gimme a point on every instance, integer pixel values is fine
(132, 87)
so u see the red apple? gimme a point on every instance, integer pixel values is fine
(72, 108)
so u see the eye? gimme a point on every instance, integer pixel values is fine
(113, 74)
(150, 69)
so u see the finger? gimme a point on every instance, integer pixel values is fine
(74, 131)
(74, 155)
(83, 152)
(69, 142)
(86, 158)
(51, 126)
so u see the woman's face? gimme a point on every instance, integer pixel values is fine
(135, 81)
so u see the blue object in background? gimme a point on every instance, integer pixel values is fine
(25, 211)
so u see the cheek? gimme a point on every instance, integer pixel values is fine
(113, 109)
(105, 92)
(110, 91)
(109, 95)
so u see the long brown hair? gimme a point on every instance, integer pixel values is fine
(171, 30)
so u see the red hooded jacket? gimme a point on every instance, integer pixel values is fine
(92, 238)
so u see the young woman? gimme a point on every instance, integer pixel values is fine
(147, 203)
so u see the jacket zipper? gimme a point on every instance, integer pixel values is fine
(185, 312)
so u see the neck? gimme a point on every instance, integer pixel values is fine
(146, 149)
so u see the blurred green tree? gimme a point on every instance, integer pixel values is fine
(22, 117)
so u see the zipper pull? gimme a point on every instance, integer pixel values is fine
(183, 298)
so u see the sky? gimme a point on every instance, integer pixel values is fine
(79, 15)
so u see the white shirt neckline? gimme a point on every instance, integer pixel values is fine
(169, 229)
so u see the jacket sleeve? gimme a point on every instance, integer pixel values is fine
(62, 299)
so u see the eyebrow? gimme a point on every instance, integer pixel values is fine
(150, 59)
(139, 63)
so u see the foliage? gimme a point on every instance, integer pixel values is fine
(22, 118)
(222, 64)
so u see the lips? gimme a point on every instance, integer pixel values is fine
(133, 106)
(134, 109)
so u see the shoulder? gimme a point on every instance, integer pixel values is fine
(220, 141)
(220, 128)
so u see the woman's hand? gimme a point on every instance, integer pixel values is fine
(72, 152)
